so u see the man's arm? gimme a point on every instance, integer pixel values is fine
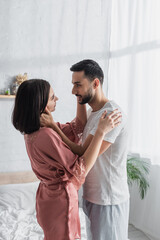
(80, 149)
(81, 113)
(105, 145)
(47, 120)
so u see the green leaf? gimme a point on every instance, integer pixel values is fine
(137, 171)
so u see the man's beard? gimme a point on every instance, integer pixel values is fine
(87, 97)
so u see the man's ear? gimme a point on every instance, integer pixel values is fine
(96, 83)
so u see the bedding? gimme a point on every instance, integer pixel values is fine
(18, 216)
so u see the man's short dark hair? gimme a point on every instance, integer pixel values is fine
(31, 100)
(91, 69)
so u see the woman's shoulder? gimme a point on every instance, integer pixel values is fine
(42, 133)
(45, 131)
(46, 136)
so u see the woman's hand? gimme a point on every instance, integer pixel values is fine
(46, 120)
(107, 123)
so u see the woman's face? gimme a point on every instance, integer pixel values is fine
(51, 105)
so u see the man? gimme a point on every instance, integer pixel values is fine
(105, 191)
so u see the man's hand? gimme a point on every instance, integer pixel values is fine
(46, 119)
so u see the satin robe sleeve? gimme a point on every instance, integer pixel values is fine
(66, 165)
(73, 130)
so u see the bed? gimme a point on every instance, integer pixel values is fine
(17, 208)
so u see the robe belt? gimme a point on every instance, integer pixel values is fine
(55, 186)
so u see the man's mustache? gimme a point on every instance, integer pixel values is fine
(78, 95)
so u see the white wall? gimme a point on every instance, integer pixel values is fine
(145, 214)
(44, 38)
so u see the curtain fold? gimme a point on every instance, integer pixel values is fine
(134, 83)
(134, 72)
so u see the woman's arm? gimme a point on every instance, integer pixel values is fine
(47, 120)
(105, 125)
(76, 149)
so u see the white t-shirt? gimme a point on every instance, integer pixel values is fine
(106, 183)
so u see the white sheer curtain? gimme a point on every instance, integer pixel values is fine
(134, 82)
(134, 72)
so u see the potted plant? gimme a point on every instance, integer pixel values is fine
(137, 171)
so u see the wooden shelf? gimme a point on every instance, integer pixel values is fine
(7, 96)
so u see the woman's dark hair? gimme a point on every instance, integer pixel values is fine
(91, 69)
(31, 100)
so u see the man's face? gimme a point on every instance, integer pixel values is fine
(82, 87)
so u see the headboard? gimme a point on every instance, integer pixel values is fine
(17, 177)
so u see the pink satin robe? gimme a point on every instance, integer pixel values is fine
(61, 173)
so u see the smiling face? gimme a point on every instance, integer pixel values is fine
(82, 87)
(51, 105)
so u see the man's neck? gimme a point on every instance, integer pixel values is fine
(98, 102)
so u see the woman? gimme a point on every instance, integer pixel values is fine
(60, 171)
